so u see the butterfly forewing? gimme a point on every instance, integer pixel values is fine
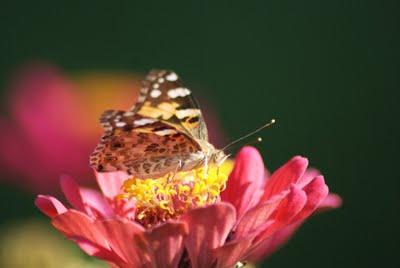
(164, 97)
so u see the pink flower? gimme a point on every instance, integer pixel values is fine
(50, 130)
(252, 217)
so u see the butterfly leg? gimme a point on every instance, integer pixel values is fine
(205, 167)
(178, 167)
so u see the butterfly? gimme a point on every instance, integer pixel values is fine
(164, 132)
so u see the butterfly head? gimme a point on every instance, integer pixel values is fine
(219, 157)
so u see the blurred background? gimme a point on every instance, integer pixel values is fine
(326, 70)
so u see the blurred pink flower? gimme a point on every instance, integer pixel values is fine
(252, 217)
(51, 125)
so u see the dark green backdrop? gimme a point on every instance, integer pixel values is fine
(327, 70)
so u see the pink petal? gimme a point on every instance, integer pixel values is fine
(308, 176)
(286, 175)
(72, 192)
(316, 191)
(232, 252)
(110, 183)
(127, 239)
(86, 200)
(109, 240)
(166, 241)
(255, 219)
(247, 178)
(76, 224)
(270, 245)
(331, 201)
(96, 204)
(49, 205)
(208, 229)
(97, 251)
(285, 212)
(125, 208)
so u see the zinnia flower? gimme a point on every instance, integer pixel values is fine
(192, 219)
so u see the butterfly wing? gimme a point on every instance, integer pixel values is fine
(141, 146)
(164, 130)
(163, 97)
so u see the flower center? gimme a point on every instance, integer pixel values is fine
(167, 197)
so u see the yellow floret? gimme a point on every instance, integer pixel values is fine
(169, 196)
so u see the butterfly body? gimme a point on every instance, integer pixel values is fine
(164, 132)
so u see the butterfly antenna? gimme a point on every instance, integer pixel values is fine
(249, 135)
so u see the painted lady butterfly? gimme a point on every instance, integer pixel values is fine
(164, 132)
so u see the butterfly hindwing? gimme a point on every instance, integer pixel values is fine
(141, 146)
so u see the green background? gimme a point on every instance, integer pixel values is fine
(327, 70)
